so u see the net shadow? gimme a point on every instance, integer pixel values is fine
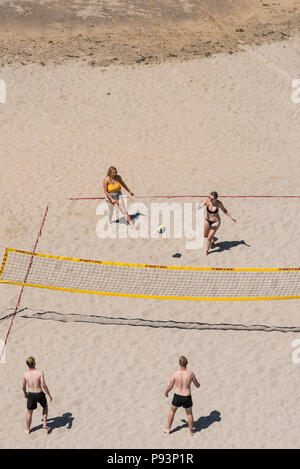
(139, 322)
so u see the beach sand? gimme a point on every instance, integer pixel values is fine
(105, 32)
(225, 122)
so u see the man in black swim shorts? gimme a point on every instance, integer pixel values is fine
(182, 401)
(35, 381)
(182, 379)
(33, 398)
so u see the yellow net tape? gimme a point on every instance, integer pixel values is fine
(148, 281)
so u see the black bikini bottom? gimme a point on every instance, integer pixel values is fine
(212, 222)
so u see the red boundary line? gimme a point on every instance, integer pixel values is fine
(190, 196)
(25, 279)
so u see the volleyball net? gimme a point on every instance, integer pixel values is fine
(148, 281)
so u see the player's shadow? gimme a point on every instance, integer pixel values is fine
(66, 420)
(134, 218)
(202, 423)
(227, 245)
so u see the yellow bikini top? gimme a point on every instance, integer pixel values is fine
(114, 187)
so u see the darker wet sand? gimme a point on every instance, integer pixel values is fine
(103, 33)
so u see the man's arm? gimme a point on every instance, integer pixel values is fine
(195, 381)
(44, 386)
(170, 386)
(24, 386)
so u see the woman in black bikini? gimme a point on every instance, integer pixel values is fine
(212, 220)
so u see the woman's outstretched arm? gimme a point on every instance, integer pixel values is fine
(124, 185)
(226, 212)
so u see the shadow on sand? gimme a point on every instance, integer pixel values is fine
(141, 322)
(66, 420)
(134, 217)
(202, 423)
(227, 245)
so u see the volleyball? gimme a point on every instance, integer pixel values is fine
(160, 229)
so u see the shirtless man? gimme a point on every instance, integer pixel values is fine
(35, 381)
(182, 379)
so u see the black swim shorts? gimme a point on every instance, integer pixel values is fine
(36, 397)
(184, 401)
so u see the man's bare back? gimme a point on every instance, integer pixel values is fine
(35, 381)
(183, 379)
(33, 378)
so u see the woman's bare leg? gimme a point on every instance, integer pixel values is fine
(211, 236)
(206, 228)
(110, 210)
(123, 210)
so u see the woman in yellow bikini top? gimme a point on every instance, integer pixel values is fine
(112, 189)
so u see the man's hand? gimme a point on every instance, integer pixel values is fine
(25, 394)
(166, 393)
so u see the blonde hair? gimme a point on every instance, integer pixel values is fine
(30, 362)
(110, 170)
(183, 361)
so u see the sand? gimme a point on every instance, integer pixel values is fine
(225, 122)
(99, 33)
